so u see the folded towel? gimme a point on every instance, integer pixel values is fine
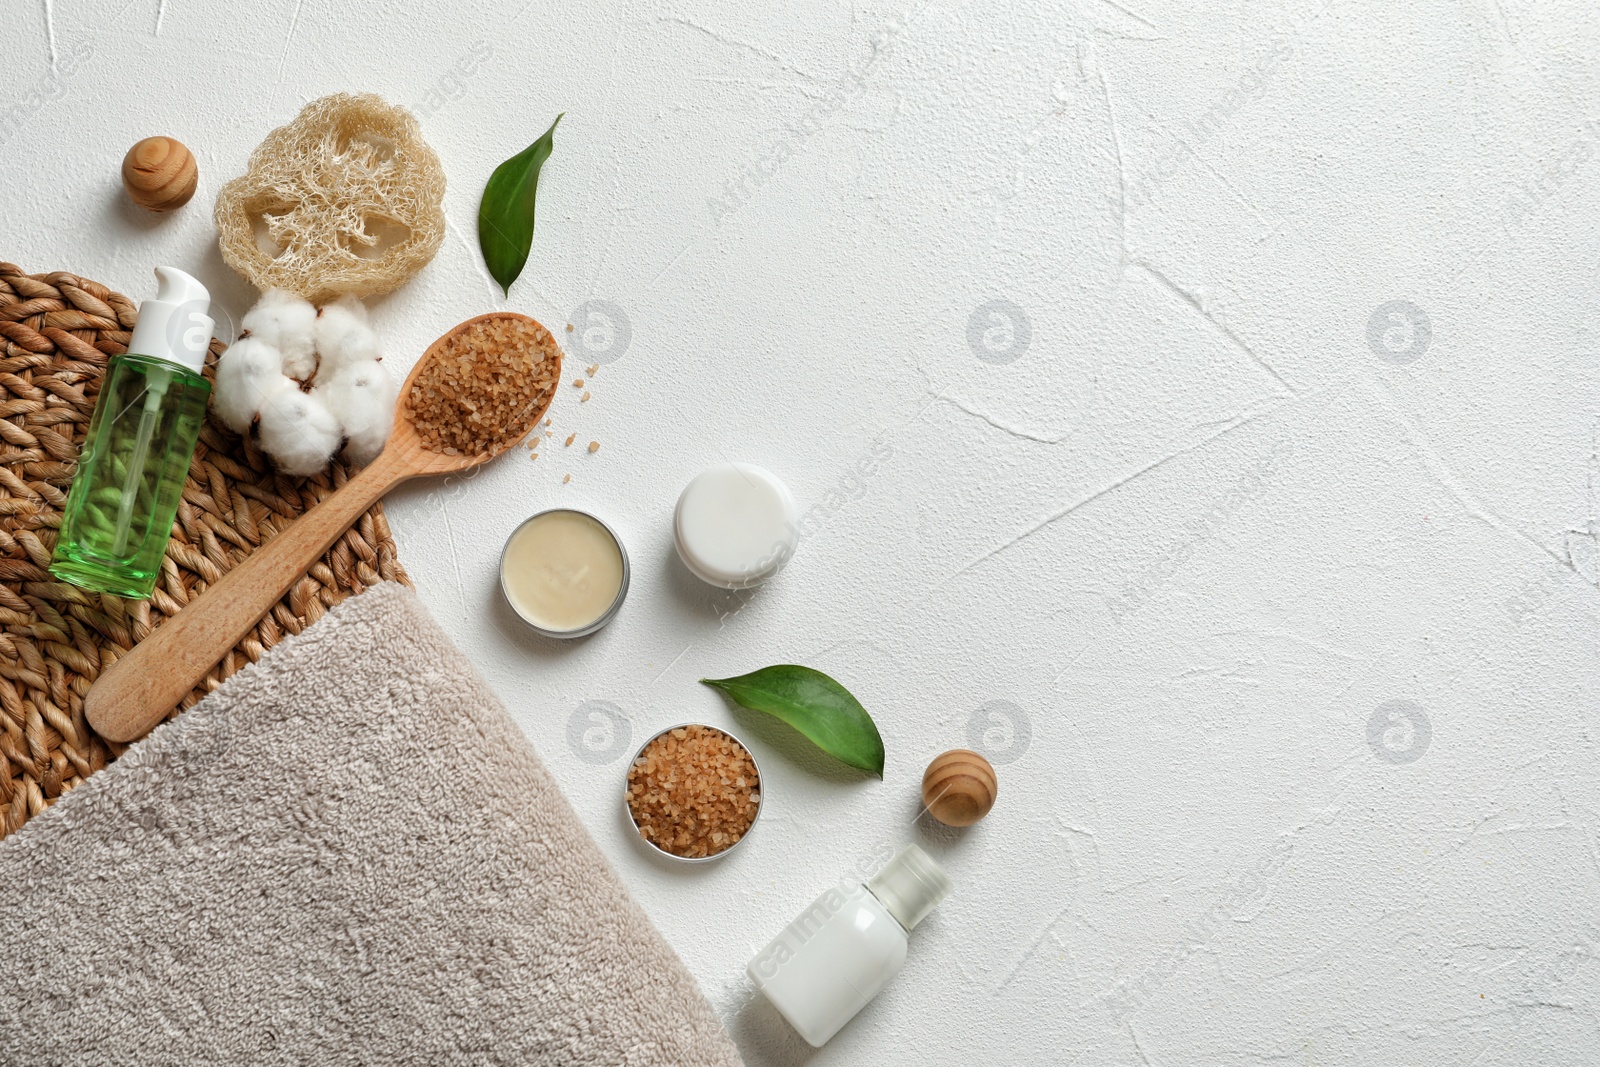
(349, 853)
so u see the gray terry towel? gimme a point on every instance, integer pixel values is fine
(347, 854)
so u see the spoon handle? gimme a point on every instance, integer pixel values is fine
(149, 680)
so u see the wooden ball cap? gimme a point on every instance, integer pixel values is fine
(159, 174)
(959, 787)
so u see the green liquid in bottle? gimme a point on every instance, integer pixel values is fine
(130, 476)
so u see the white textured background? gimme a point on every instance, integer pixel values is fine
(1219, 508)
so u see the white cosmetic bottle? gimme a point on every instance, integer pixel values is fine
(827, 964)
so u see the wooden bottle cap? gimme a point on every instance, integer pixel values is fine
(159, 174)
(959, 787)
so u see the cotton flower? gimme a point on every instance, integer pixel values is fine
(248, 373)
(344, 336)
(286, 339)
(287, 323)
(298, 431)
(361, 397)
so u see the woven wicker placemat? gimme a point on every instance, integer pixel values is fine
(56, 332)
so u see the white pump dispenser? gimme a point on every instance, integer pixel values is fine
(175, 324)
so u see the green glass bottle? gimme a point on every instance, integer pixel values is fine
(135, 458)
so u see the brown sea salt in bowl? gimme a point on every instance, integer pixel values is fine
(693, 792)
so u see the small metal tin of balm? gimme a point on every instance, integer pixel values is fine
(564, 572)
(627, 809)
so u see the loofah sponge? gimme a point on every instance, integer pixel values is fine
(347, 198)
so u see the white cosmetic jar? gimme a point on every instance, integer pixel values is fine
(735, 525)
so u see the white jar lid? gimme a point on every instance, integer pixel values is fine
(736, 525)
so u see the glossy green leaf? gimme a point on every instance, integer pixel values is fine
(505, 214)
(816, 705)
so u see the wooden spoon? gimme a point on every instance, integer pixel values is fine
(147, 682)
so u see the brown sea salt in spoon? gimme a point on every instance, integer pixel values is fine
(475, 392)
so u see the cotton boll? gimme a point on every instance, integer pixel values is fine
(287, 323)
(247, 374)
(361, 396)
(344, 336)
(298, 432)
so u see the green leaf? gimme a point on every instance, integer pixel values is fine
(505, 215)
(816, 705)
